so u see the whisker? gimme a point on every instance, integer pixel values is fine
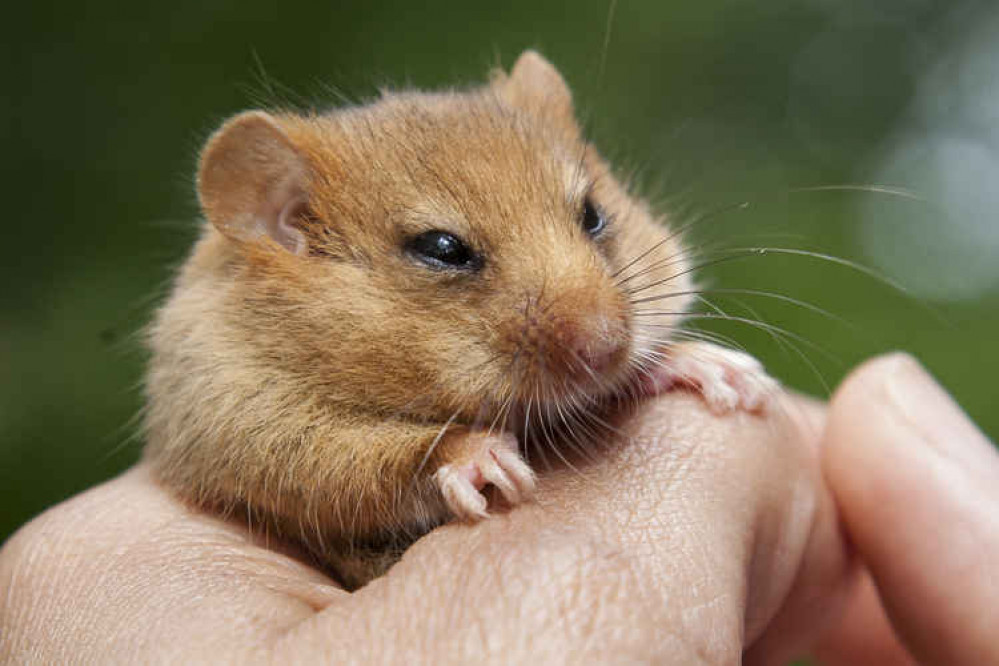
(433, 445)
(634, 261)
(684, 253)
(577, 445)
(749, 292)
(892, 190)
(604, 50)
(710, 336)
(556, 448)
(853, 265)
(753, 314)
(749, 322)
(725, 258)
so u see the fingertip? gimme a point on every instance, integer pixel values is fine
(864, 389)
(916, 485)
(857, 414)
(890, 415)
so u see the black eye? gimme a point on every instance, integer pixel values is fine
(439, 249)
(593, 220)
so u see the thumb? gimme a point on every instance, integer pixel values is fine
(918, 487)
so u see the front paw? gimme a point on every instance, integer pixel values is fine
(727, 379)
(482, 459)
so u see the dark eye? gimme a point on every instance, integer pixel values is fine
(593, 218)
(439, 249)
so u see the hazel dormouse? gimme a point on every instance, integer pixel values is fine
(388, 300)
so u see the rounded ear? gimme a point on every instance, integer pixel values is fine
(252, 181)
(536, 86)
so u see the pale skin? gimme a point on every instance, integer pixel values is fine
(701, 540)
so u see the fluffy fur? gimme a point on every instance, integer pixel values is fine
(309, 369)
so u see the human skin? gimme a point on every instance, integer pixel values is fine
(694, 540)
(918, 489)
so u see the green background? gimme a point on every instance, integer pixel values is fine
(710, 104)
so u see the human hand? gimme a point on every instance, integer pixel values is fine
(918, 487)
(682, 543)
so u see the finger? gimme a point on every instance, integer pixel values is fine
(125, 573)
(682, 541)
(918, 487)
(827, 571)
(863, 636)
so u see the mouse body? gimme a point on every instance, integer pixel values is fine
(387, 298)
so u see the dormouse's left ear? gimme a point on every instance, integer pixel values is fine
(534, 85)
(252, 181)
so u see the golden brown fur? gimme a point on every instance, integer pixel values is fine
(307, 373)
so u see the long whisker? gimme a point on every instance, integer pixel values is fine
(682, 257)
(749, 292)
(725, 258)
(892, 190)
(853, 265)
(556, 448)
(753, 314)
(749, 322)
(606, 45)
(576, 444)
(647, 252)
(433, 445)
(709, 336)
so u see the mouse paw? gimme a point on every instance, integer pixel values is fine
(483, 459)
(727, 379)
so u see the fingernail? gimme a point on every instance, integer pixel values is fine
(929, 409)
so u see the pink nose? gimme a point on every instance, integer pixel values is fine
(590, 345)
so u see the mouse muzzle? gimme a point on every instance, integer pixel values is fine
(575, 342)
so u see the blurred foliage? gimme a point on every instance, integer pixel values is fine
(724, 111)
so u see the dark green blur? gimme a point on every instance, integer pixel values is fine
(710, 104)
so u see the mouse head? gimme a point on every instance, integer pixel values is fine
(445, 253)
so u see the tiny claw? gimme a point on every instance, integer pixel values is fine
(727, 379)
(460, 494)
(484, 459)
